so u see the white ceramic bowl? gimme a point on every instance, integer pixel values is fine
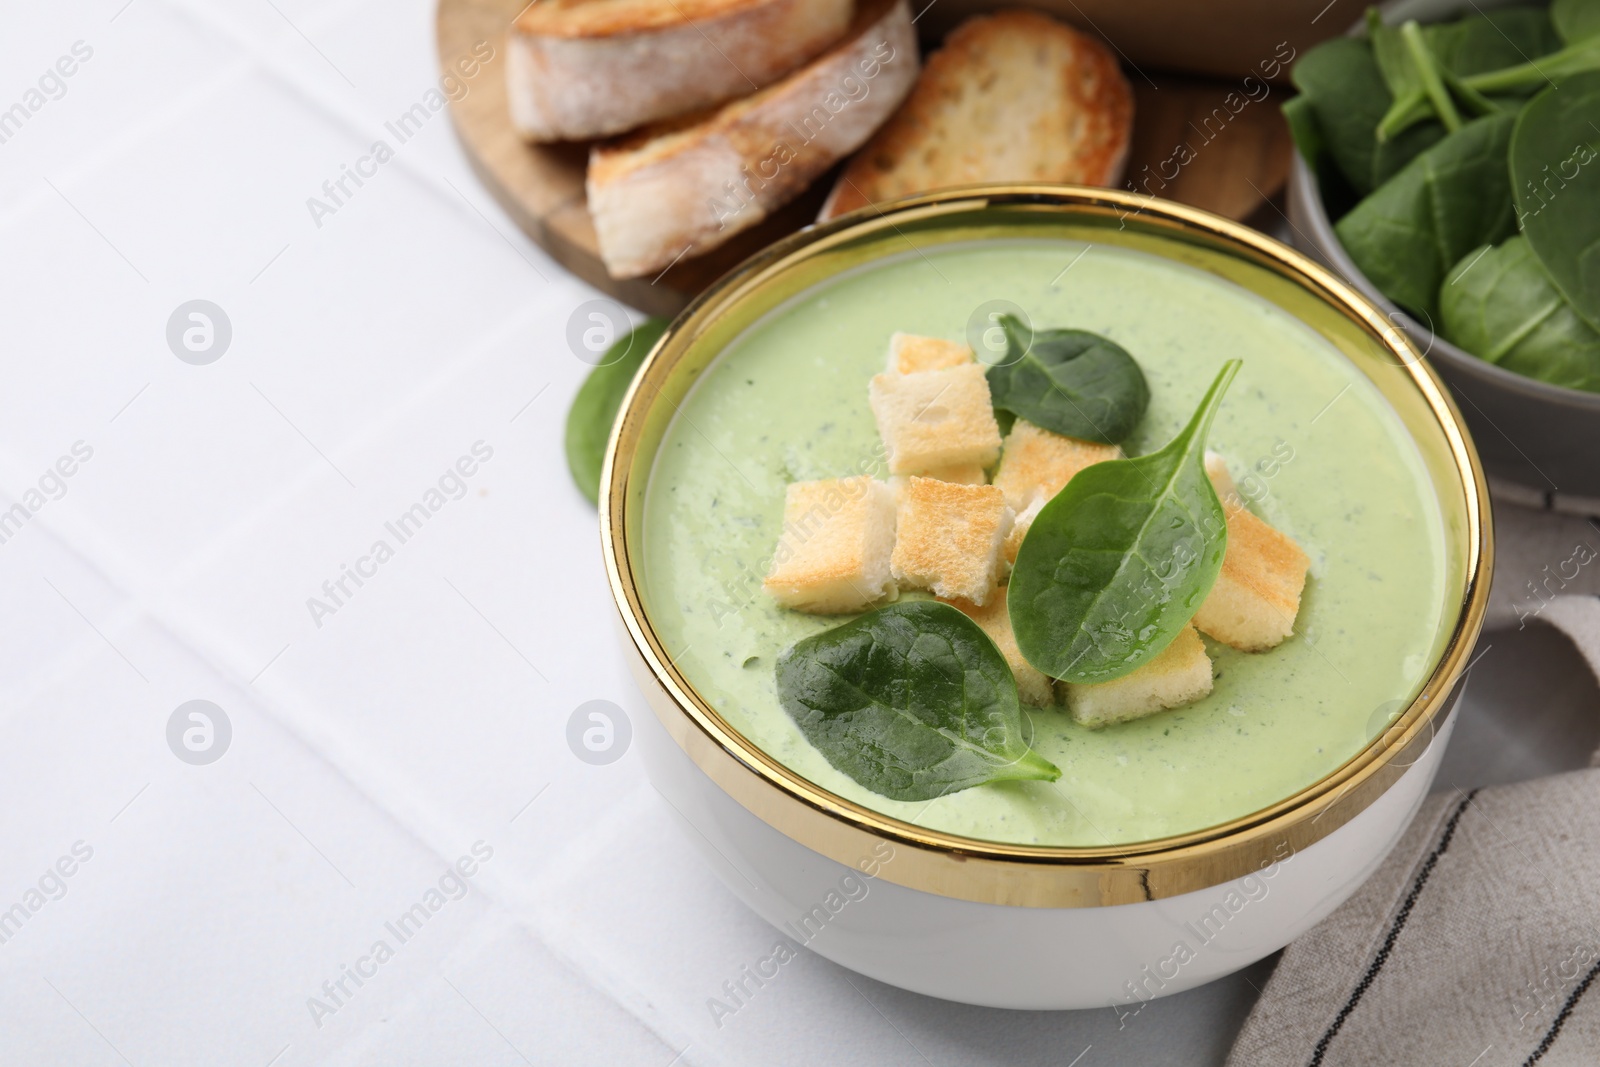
(1018, 926)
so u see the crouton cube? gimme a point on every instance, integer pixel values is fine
(1257, 595)
(1019, 528)
(948, 538)
(1040, 463)
(1222, 480)
(961, 474)
(909, 353)
(833, 555)
(936, 418)
(1033, 685)
(1179, 674)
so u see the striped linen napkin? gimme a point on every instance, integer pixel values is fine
(1477, 943)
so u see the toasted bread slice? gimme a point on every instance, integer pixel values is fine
(688, 185)
(948, 538)
(1015, 96)
(910, 353)
(1257, 596)
(1038, 463)
(936, 418)
(1180, 674)
(833, 556)
(1033, 685)
(577, 69)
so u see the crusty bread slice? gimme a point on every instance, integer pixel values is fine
(577, 69)
(1014, 96)
(833, 556)
(685, 186)
(948, 538)
(910, 353)
(1040, 463)
(1180, 674)
(1257, 596)
(935, 419)
(1033, 685)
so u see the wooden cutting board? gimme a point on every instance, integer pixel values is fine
(1202, 142)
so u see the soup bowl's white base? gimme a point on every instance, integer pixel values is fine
(1015, 957)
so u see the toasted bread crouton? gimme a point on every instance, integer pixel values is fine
(1040, 463)
(685, 185)
(936, 418)
(910, 353)
(574, 70)
(948, 537)
(1222, 480)
(833, 556)
(1180, 674)
(1033, 685)
(1013, 96)
(1257, 595)
(1019, 528)
(961, 474)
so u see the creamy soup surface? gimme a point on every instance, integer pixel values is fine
(1313, 445)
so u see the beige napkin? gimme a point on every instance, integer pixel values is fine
(1477, 943)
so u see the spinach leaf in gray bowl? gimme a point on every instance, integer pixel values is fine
(1500, 305)
(912, 701)
(1451, 199)
(1555, 172)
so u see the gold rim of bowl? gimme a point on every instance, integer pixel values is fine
(996, 872)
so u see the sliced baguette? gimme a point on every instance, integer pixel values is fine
(687, 186)
(1014, 96)
(577, 69)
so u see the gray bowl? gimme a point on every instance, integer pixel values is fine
(1540, 436)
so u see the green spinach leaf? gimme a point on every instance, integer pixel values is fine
(1073, 382)
(1344, 88)
(912, 700)
(1481, 42)
(1500, 305)
(594, 408)
(1556, 176)
(1576, 20)
(1121, 559)
(1452, 198)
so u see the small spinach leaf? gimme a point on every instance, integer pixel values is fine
(1121, 559)
(1452, 198)
(1072, 382)
(1499, 304)
(912, 700)
(1475, 45)
(594, 408)
(1556, 177)
(1342, 84)
(1576, 20)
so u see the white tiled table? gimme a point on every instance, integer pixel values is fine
(373, 746)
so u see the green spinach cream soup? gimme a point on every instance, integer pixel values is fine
(1314, 447)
